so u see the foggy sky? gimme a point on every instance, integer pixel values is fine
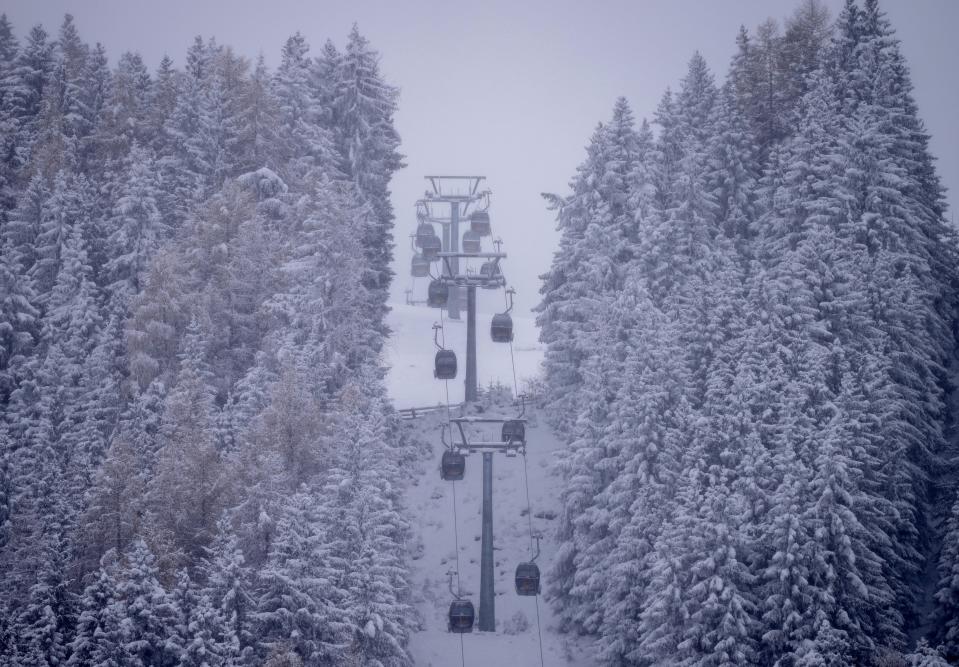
(509, 90)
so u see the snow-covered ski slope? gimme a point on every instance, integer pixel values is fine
(430, 503)
(410, 353)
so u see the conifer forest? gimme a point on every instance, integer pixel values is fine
(749, 333)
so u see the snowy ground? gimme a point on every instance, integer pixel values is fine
(410, 353)
(430, 501)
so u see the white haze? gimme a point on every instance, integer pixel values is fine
(511, 90)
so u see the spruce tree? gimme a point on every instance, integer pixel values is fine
(363, 106)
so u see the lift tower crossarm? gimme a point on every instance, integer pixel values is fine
(470, 446)
(458, 193)
(473, 255)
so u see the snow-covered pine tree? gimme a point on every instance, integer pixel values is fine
(188, 492)
(98, 638)
(144, 610)
(136, 226)
(9, 47)
(159, 317)
(947, 592)
(256, 138)
(123, 120)
(366, 532)
(69, 207)
(596, 225)
(46, 623)
(303, 142)
(299, 602)
(362, 114)
(18, 321)
(22, 225)
(896, 213)
(25, 88)
(230, 589)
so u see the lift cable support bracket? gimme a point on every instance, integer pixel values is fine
(448, 190)
(465, 445)
(537, 537)
(494, 280)
(451, 574)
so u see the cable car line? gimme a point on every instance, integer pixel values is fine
(508, 296)
(456, 532)
(459, 590)
(529, 504)
(457, 274)
(529, 515)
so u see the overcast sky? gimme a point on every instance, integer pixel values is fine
(505, 89)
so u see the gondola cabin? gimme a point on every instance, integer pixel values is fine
(489, 269)
(452, 466)
(420, 266)
(527, 579)
(471, 242)
(501, 328)
(431, 248)
(479, 223)
(461, 616)
(437, 294)
(514, 430)
(445, 365)
(424, 231)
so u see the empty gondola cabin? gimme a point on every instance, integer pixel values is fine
(424, 231)
(471, 242)
(445, 368)
(453, 466)
(489, 269)
(501, 328)
(479, 223)
(514, 430)
(437, 294)
(431, 248)
(461, 616)
(420, 266)
(527, 579)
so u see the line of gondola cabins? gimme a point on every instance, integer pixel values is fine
(453, 464)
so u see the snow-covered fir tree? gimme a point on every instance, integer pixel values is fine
(194, 263)
(758, 468)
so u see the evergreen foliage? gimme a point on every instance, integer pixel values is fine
(194, 263)
(752, 362)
